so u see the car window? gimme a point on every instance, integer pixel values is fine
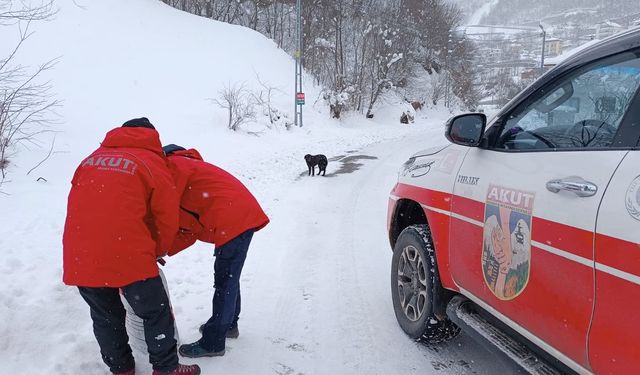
(582, 110)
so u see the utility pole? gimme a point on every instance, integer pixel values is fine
(299, 94)
(544, 42)
(447, 96)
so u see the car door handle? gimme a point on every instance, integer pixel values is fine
(574, 184)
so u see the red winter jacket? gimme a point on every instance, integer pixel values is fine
(122, 212)
(215, 206)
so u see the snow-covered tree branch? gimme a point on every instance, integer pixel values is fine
(26, 103)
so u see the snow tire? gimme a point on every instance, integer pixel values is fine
(414, 286)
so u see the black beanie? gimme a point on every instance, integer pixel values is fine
(141, 122)
(168, 149)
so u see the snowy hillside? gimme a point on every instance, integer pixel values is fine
(124, 59)
(121, 59)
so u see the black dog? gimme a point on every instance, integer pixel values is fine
(319, 160)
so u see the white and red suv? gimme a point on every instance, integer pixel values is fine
(525, 230)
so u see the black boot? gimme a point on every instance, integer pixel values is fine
(232, 333)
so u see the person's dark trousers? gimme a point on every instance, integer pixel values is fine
(236, 316)
(230, 259)
(149, 301)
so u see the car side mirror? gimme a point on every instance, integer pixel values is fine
(467, 129)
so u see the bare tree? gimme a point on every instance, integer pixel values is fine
(10, 15)
(264, 99)
(238, 103)
(437, 87)
(26, 103)
(386, 65)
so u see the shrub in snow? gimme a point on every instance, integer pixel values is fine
(4, 163)
(238, 102)
(337, 102)
(416, 104)
(406, 118)
(263, 99)
(277, 118)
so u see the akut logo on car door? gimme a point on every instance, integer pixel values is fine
(506, 250)
(632, 201)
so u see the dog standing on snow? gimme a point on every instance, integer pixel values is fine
(319, 160)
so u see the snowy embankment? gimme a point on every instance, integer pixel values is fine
(123, 59)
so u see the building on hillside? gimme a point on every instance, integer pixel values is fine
(531, 74)
(553, 61)
(607, 28)
(553, 47)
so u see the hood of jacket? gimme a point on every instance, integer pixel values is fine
(138, 137)
(191, 153)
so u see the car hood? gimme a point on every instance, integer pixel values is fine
(430, 151)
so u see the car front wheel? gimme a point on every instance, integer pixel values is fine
(414, 285)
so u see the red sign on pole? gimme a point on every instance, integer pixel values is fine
(300, 98)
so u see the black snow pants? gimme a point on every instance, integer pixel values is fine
(149, 301)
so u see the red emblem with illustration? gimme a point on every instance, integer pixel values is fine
(506, 251)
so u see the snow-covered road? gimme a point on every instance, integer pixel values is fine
(316, 291)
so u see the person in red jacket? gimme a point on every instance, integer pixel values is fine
(216, 208)
(122, 214)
